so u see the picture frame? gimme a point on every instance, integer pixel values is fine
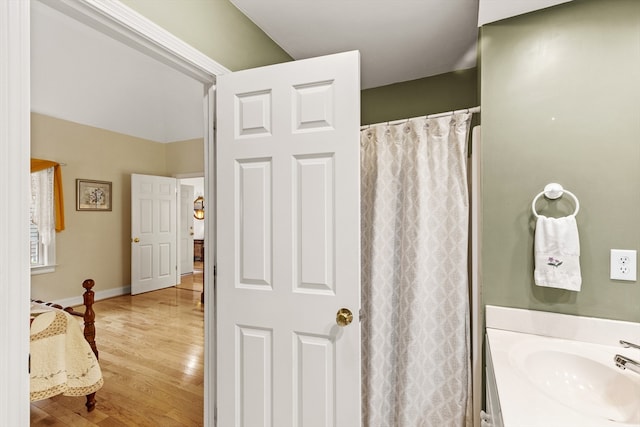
(92, 195)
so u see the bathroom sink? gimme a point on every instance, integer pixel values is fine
(590, 385)
(553, 369)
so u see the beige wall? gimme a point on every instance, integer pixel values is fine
(559, 100)
(560, 91)
(97, 244)
(185, 157)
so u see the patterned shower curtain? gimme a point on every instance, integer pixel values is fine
(415, 296)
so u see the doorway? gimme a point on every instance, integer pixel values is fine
(191, 234)
(194, 224)
(119, 22)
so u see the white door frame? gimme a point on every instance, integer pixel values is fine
(185, 207)
(122, 23)
(15, 276)
(180, 176)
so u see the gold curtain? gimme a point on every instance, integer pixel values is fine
(58, 202)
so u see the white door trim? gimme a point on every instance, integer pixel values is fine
(185, 218)
(210, 398)
(120, 22)
(15, 276)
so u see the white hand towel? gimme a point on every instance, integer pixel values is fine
(557, 253)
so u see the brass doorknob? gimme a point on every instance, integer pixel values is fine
(136, 240)
(344, 317)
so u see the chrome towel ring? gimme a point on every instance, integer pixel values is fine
(554, 191)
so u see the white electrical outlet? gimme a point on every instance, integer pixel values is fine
(623, 264)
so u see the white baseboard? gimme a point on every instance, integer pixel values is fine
(99, 295)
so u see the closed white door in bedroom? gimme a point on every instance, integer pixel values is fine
(288, 237)
(154, 263)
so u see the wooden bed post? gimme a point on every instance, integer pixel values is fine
(90, 331)
(89, 316)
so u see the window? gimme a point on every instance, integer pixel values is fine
(42, 222)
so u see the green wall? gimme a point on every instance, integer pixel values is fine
(436, 94)
(560, 103)
(216, 28)
(222, 32)
(559, 100)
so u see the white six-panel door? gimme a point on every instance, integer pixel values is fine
(288, 253)
(153, 233)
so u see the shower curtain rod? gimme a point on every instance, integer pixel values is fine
(430, 116)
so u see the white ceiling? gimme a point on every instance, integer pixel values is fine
(398, 40)
(84, 76)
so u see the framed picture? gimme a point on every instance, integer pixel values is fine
(93, 195)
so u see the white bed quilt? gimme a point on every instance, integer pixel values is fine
(62, 361)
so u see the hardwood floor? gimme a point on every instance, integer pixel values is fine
(152, 358)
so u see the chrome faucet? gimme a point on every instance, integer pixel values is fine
(624, 362)
(627, 344)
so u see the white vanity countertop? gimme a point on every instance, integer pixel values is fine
(525, 345)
